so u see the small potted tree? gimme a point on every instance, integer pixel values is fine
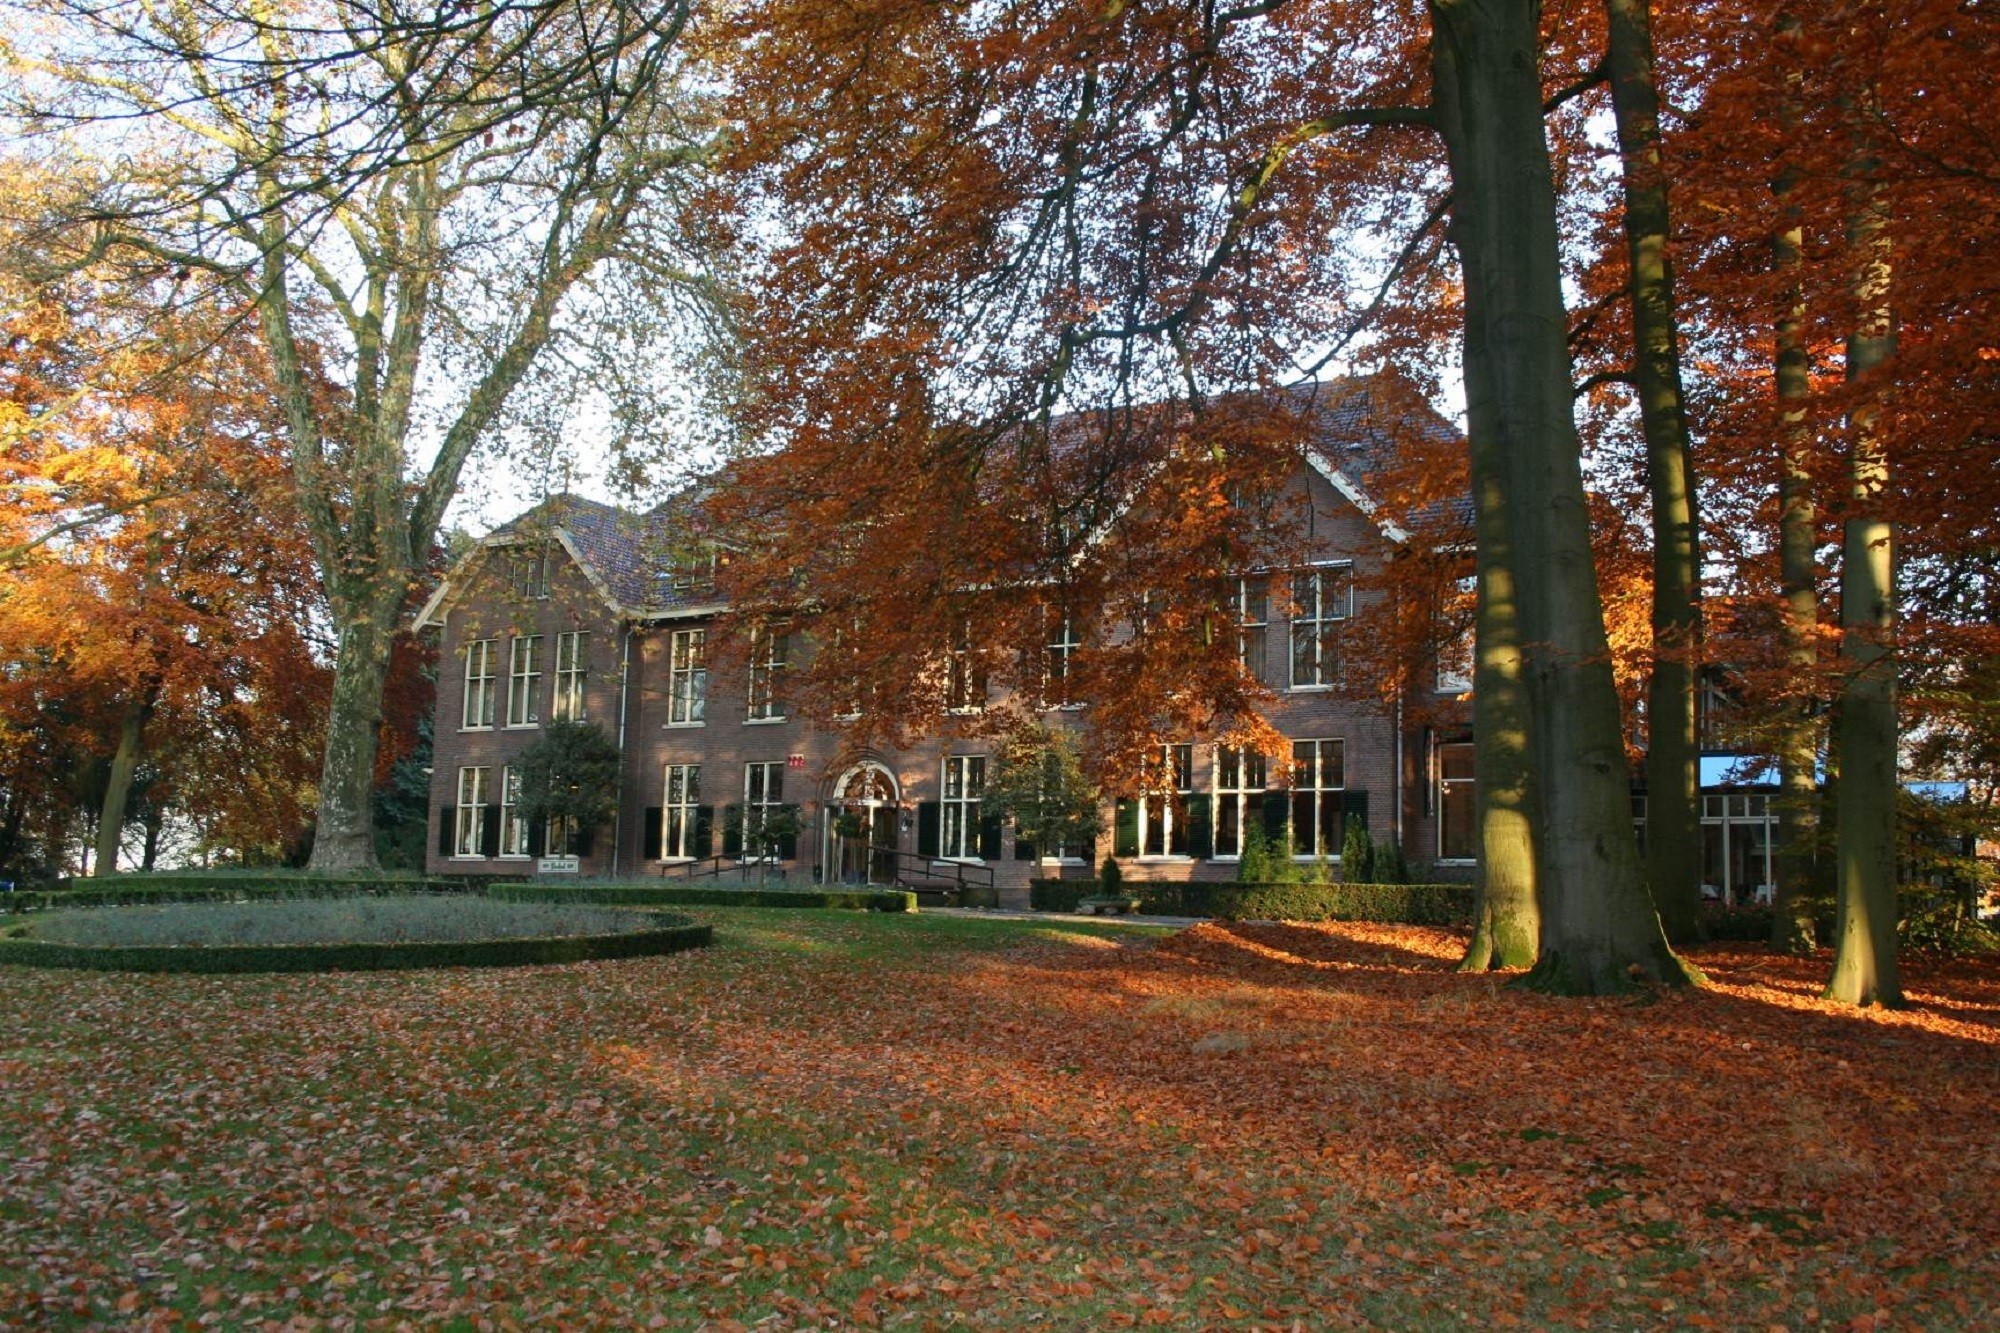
(1112, 897)
(569, 776)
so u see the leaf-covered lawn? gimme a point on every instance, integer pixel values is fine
(834, 1119)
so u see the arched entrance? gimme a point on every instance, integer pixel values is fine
(861, 833)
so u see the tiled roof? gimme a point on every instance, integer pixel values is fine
(1361, 419)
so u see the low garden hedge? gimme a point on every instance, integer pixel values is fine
(672, 935)
(1403, 904)
(139, 890)
(688, 895)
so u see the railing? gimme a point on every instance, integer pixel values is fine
(756, 870)
(932, 874)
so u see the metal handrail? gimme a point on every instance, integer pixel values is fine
(716, 866)
(960, 873)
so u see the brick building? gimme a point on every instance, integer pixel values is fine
(578, 610)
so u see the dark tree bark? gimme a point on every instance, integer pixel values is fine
(118, 785)
(1600, 932)
(1673, 777)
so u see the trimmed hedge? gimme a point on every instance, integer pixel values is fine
(140, 890)
(672, 935)
(1402, 904)
(679, 895)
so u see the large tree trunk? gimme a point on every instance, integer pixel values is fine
(1864, 960)
(344, 837)
(1507, 918)
(118, 786)
(1792, 926)
(1600, 932)
(1673, 771)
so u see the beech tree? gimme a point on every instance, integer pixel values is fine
(415, 207)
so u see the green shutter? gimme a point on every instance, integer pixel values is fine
(489, 833)
(788, 846)
(584, 840)
(989, 838)
(1024, 846)
(447, 826)
(538, 836)
(649, 846)
(1200, 829)
(732, 830)
(1125, 829)
(704, 833)
(1277, 813)
(930, 823)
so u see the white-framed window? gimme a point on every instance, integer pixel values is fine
(693, 570)
(1321, 599)
(769, 655)
(1240, 779)
(561, 836)
(1455, 646)
(1319, 780)
(1458, 834)
(1057, 653)
(965, 678)
(1163, 815)
(681, 817)
(531, 575)
(478, 713)
(763, 797)
(687, 678)
(1250, 607)
(473, 793)
(572, 670)
(964, 786)
(513, 828)
(524, 681)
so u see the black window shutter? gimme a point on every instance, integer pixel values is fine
(1024, 846)
(732, 830)
(1277, 813)
(649, 847)
(489, 833)
(930, 821)
(538, 837)
(788, 846)
(1125, 829)
(704, 832)
(1200, 832)
(1353, 809)
(584, 840)
(447, 826)
(989, 838)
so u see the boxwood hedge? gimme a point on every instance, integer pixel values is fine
(139, 890)
(670, 935)
(689, 895)
(1405, 904)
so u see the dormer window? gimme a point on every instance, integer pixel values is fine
(693, 570)
(531, 575)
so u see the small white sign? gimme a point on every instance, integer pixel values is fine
(557, 865)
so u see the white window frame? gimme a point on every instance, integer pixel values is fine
(1057, 657)
(763, 795)
(1250, 606)
(513, 828)
(1165, 813)
(1309, 776)
(531, 575)
(961, 791)
(769, 658)
(1241, 779)
(572, 670)
(679, 817)
(524, 681)
(1455, 658)
(477, 713)
(1446, 784)
(1314, 616)
(964, 682)
(687, 678)
(473, 790)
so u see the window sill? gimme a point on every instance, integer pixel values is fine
(681, 726)
(467, 856)
(1171, 858)
(487, 727)
(764, 721)
(523, 726)
(1456, 861)
(1308, 689)
(1061, 861)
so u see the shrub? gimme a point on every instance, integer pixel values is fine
(627, 894)
(1406, 904)
(354, 920)
(1254, 866)
(1110, 880)
(1390, 867)
(1058, 895)
(1357, 854)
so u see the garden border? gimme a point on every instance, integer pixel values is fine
(669, 895)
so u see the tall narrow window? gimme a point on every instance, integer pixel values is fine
(964, 786)
(1253, 620)
(531, 575)
(1455, 639)
(769, 654)
(1457, 836)
(473, 794)
(524, 681)
(687, 678)
(1063, 641)
(572, 669)
(1319, 603)
(513, 828)
(763, 796)
(1163, 815)
(479, 683)
(1319, 774)
(965, 678)
(681, 814)
(1239, 796)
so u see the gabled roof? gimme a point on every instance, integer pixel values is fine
(1360, 422)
